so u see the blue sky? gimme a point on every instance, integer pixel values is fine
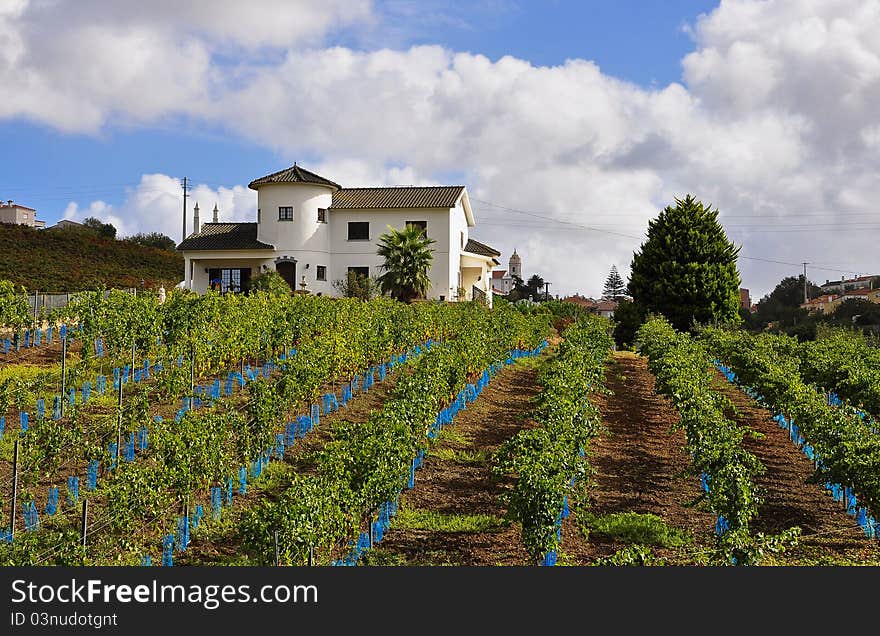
(640, 41)
(571, 123)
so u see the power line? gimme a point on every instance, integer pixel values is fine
(573, 225)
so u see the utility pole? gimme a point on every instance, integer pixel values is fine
(185, 185)
(547, 290)
(806, 299)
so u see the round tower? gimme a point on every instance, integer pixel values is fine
(515, 265)
(293, 215)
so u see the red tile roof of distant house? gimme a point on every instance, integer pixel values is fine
(820, 300)
(499, 273)
(580, 300)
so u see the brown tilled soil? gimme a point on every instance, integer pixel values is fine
(45, 354)
(449, 486)
(829, 534)
(640, 466)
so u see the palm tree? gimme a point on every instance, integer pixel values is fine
(408, 257)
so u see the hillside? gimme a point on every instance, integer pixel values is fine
(65, 260)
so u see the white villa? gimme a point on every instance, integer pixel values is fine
(313, 231)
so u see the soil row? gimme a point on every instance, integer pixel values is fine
(641, 466)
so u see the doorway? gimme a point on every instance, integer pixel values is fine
(287, 269)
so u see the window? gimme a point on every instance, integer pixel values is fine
(421, 224)
(229, 280)
(321, 272)
(360, 272)
(322, 215)
(285, 213)
(359, 231)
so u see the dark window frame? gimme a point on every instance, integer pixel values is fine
(359, 224)
(322, 215)
(283, 211)
(320, 272)
(233, 280)
(359, 270)
(421, 224)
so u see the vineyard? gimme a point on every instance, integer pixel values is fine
(266, 430)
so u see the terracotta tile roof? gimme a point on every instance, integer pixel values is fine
(827, 298)
(499, 273)
(591, 303)
(225, 236)
(397, 197)
(293, 174)
(475, 247)
(580, 300)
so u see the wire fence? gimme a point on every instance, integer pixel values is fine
(39, 301)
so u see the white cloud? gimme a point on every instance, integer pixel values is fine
(154, 205)
(774, 122)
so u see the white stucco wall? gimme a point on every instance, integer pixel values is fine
(17, 215)
(303, 239)
(359, 253)
(502, 285)
(459, 235)
(304, 233)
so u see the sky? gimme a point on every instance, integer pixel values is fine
(572, 123)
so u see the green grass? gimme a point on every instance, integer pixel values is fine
(459, 456)
(26, 371)
(451, 436)
(633, 555)
(379, 557)
(420, 519)
(634, 528)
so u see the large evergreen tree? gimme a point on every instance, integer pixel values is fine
(408, 257)
(615, 288)
(686, 269)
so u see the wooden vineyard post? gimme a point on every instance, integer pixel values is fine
(84, 522)
(186, 524)
(119, 421)
(277, 557)
(63, 372)
(14, 491)
(311, 555)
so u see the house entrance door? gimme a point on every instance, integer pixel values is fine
(287, 269)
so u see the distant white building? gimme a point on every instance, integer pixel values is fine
(503, 280)
(310, 229)
(17, 214)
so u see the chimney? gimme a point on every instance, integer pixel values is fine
(196, 218)
(216, 214)
(9, 203)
